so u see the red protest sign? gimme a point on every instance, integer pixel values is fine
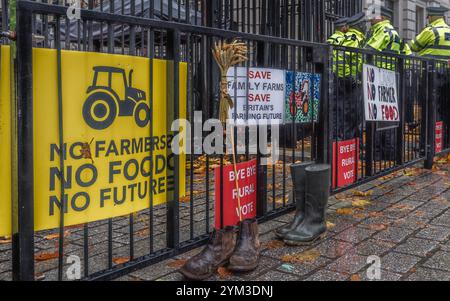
(439, 136)
(246, 177)
(345, 162)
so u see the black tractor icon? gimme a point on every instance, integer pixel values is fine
(104, 102)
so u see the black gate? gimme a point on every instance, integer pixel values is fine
(167, 30)
(282, 34)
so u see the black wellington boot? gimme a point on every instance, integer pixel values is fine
(314, 225)
(298, 176)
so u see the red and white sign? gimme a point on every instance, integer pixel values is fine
(380, 94)
(439, 136)
(258, 94)
(247, 178)
(345, 162)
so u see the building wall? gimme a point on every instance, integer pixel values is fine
(410, 15)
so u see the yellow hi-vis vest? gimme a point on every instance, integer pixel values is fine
(347, 63)
(336, 38)
(384, 38)
(433, 41)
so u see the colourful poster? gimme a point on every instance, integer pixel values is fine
(302, 97)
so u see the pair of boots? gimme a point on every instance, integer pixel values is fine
(311, 190)
(226, 249)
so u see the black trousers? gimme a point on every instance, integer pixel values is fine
(385, 145)
(346, 108)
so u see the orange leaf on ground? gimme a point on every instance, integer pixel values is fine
(299, 258)
(46, 256)
(5, 240)
(345, 211)
(224, 273)
(355, 277)
(185, 199)
(143, 232)
(121, 260)
(274, 244)
(362, 193)
(176, 263)
(330, 225)
(359, 215)
(56, 235)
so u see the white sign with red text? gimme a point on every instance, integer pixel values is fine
(258, 94)
(380, 94)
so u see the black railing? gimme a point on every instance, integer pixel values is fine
(110, 248)
(382, 147)
(181, 223)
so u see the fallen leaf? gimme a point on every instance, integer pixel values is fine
(363, 193)
(176, 263)
(56, 235)
(274, 244)
(143, 232)
(224, 273)
(360, 203)
(46, 256)
(121, 260)
(5, 240)
(345, 211)
(304, 257)
(185, 199)
(330, 225)
(39, 276)
(359, 215)
(355, 277)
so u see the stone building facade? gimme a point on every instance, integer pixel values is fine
(410, 15)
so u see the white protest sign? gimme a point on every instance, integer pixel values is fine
(380, 94)
(257, 93)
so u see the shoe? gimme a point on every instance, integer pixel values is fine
(298, 181)
(314, 225)
(216, 254)
(246, 255)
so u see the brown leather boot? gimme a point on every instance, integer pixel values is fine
(246, 255)
(216, 254)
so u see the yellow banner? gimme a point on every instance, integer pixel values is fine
(106, 102)
(5, 143)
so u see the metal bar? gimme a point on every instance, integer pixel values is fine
(61, 153)
(172, 224)
(23, 205)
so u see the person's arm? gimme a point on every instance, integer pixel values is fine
(377, 42)
(422, 40)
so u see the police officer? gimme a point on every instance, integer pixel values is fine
(384, 38)
(349, 65)
(338, 36)
(434, 42)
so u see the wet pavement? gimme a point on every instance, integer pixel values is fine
(401, 222)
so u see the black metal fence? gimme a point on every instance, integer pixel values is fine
(165, 230)
(384, 147)
(279, 35)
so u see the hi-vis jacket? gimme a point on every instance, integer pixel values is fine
(336, 38)
(433, 41)
(384, 38)
(348, 63)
